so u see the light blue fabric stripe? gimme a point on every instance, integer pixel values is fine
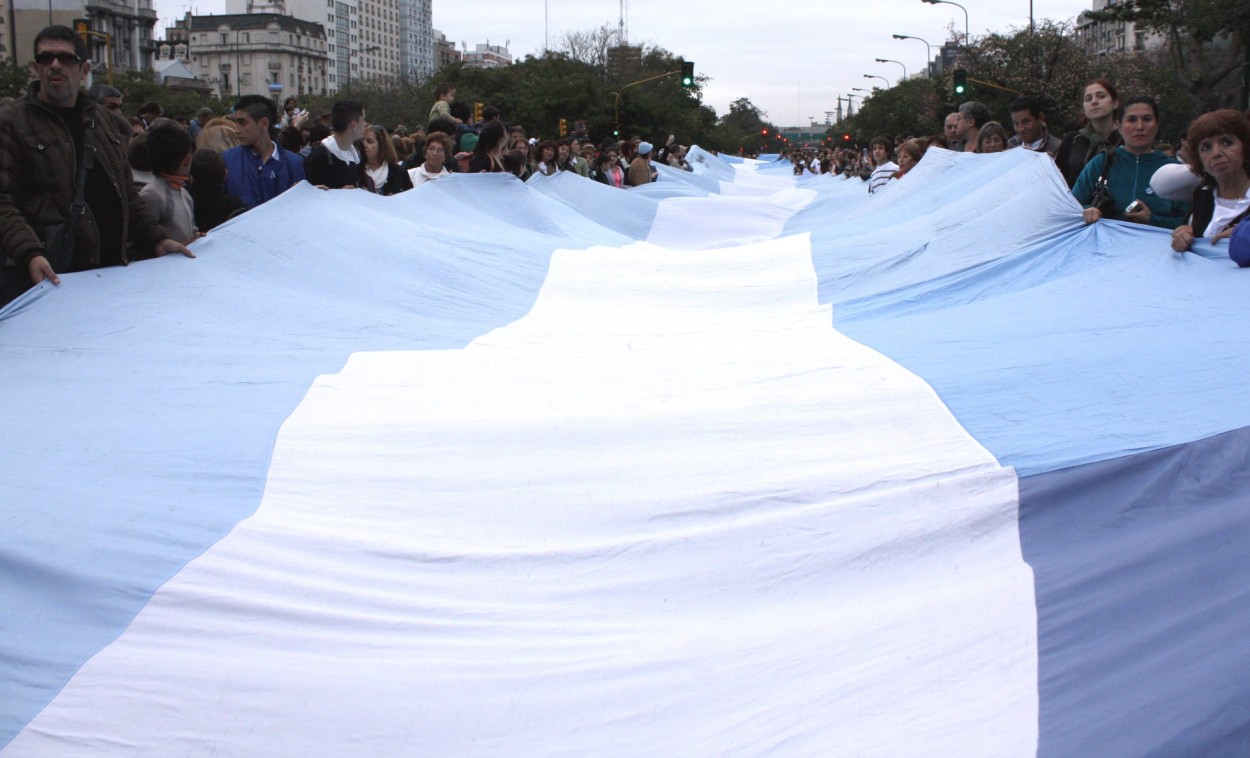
(178, 391)
(1055, 344)
(1088, 348)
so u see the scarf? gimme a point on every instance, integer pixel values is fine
(175, 180)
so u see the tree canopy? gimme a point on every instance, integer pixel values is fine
(1048, 63)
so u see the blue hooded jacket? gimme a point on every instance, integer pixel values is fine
(1130, 180)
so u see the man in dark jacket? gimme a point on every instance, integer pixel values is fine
(335, 163)
(42, 138)
(1029, 121)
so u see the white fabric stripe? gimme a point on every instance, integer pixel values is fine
(721, 221)
(669, 511)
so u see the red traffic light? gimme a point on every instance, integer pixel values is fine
(846, 138)
(764, 132)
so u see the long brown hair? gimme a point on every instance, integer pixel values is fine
(386, 150)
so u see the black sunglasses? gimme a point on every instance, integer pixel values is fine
(65, 59)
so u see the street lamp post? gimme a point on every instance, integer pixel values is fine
(889, 60)
(967, 36)
(882, 78)
(928, 50)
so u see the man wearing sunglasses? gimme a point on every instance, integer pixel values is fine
(43, 138)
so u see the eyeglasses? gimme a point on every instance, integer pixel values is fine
(65, 59)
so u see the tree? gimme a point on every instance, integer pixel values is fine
(1206, 41)
(13, 79)
(570, 83)
(139, 87)
(539, 91)
(742, 129)
(1047, 63)
(914, 105)
(589, 46)
(1051, 65)
(744, 116)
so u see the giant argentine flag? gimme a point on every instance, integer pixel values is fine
(729, 464)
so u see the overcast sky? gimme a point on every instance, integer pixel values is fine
(792, 64)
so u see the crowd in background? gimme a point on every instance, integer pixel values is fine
(341, 149)
(1114, 161)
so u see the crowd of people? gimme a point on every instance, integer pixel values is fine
(1113, 160)
(83, 187)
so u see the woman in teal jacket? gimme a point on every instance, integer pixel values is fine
(1132, 165)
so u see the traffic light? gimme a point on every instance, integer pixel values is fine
(564, 127)
(82, 27)
(846, 137)
(687, 74)
(764, 132)
(477, 113)
(616, 132)
(961, 82)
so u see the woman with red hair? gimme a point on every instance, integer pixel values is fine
(1218, 150)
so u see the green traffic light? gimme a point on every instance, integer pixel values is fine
(960, 81)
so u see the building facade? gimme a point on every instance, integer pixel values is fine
(445, 52)
(362, 36)
(173, 69)
(123, 29)
(6, 33)
(262, 53)
(417, 53)
(1110, 37)
(487, 56)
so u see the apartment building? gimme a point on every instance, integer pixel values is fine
(256, 53)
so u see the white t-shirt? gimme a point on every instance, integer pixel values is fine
(1225, 211)
(420, 176)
